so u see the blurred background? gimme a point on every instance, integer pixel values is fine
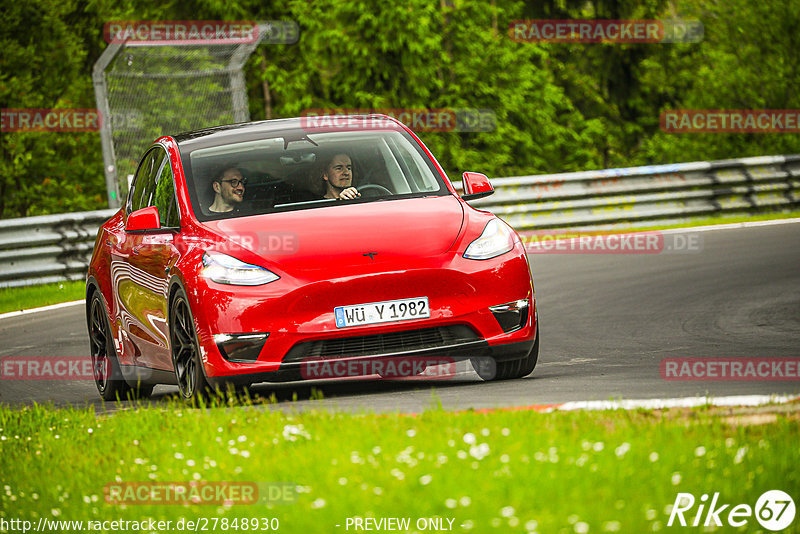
(557, 107)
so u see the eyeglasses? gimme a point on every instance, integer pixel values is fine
(236, 183)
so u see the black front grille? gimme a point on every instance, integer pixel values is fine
(378, 344)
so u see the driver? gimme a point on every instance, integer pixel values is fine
(337, 177)
(228, 186)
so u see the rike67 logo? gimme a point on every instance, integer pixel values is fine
(774, 510)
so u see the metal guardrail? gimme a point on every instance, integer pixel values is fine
(647, 196)
(52, 248)
(49, 248)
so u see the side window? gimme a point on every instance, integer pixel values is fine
(145, 181)
(165, 198)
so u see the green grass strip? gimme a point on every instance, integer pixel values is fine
(25, 298)
(508, 471)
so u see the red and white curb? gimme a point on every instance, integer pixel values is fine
(653, 404)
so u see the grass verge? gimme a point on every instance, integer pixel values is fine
(25, 298)
(508, 471)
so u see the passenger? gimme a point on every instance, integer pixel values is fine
(337, 178)
(228, 186)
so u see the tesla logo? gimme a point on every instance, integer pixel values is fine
(371, 255)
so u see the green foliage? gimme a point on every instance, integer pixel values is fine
(558, 107)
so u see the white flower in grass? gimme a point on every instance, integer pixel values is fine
(467, 525)
(496, 522)
(451, 503)
(507, 511)
(411, 432)
(650, 514)
(377, 490)
(469, 438)
(531, 525)
(505, 432)
(513, 521)
(485, 432)
(319, 503)
(376, 450)
(342, 481)
(700, 451)
(611, 526)
(581, 527)
(479, 452)
(461, 454)
(465, 501)
(653, 456)
(245, 454)
(622, 450)
(451, 443)
(572, 519)
(740, 455)
(676, 478)
(293, 432)
(599, 446)
(425, 480)
(55, 512)
(178, 456)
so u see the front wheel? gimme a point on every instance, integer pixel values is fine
(489, 369)
(186, 350)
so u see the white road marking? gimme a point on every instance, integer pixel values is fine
(43, 308)
(684, 402)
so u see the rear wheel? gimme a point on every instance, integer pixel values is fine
(185, 349)
(105, 365)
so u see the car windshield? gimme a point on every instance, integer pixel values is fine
(284, 171)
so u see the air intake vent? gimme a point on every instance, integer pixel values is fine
(379, 344)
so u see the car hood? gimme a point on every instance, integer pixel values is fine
(341, 235)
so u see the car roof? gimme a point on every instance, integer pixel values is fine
(245, 130)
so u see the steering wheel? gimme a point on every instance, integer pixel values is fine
(375, 188)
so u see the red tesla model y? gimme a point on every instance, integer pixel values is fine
(246, 251)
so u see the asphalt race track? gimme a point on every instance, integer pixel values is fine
(607, 321)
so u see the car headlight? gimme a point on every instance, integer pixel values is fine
(497, 238)
(225, 269)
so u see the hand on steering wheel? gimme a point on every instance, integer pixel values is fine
(378, 190)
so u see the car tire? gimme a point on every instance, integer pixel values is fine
(105, 364)
(185, 350)
(532, 358)
(509, 369)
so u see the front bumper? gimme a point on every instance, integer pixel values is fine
(296, 312)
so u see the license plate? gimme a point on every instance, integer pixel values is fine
(382, 312)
